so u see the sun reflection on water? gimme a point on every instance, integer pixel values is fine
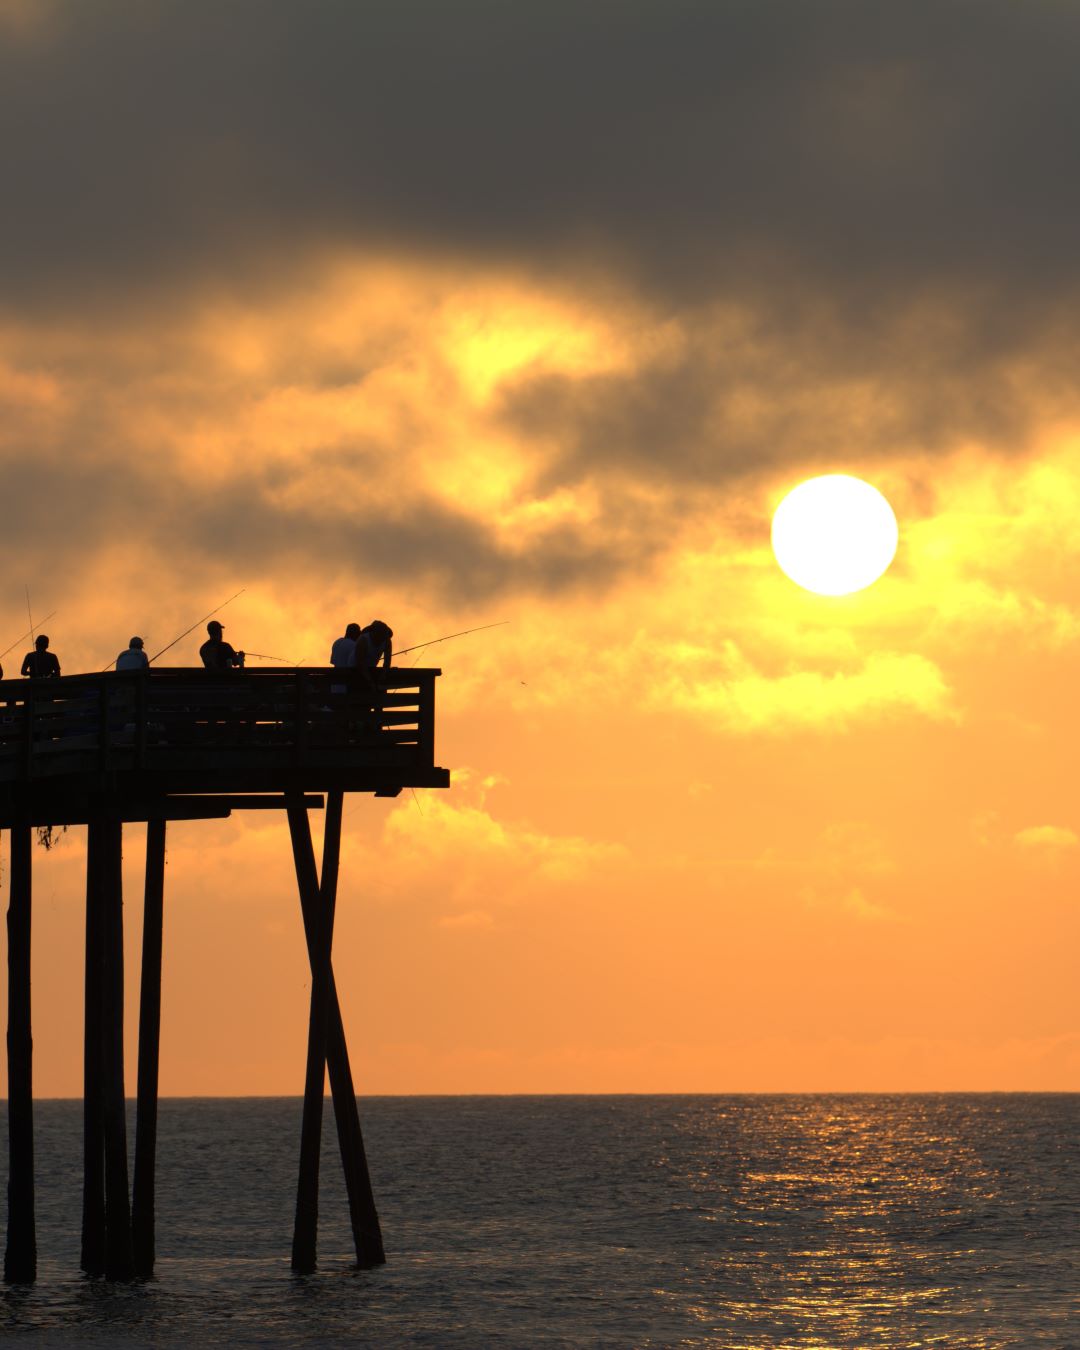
(849, 1223)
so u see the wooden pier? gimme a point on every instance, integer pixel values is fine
(116, 749)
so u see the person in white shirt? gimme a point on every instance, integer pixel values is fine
(343, 653)
(133, 658)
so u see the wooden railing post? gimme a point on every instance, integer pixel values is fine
(140, 720)
(300, 715)
(426, 719)
(103, 726)
(28, 730)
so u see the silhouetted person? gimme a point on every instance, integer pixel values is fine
(133, 658)
(40, 663)
(343, 653)
(375, 644)
(216, 653)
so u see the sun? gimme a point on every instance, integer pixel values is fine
(834, 535)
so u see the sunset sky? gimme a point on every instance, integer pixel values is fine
(454, 313)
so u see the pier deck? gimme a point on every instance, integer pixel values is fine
(139, 738)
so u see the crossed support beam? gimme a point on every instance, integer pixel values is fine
(327, 1049)
(118, 1239)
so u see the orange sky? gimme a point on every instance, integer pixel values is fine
(706, 831)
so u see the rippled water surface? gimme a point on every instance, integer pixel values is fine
(897, 1221)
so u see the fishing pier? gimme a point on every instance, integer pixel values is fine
(145, 748)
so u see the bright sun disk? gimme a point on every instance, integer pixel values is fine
(834, 535)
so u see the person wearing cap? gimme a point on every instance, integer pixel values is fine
(40, 663)
(133, 657)
(216, 653)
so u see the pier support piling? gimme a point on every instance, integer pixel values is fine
(20, 1254)
(92, 1259)
(364, 1217)
(305, 1231)
(119, 1255)
(367, 1234)
(142, 1205)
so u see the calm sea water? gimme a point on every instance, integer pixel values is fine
(847, 1221)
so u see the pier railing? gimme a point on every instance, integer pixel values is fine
(196, 730)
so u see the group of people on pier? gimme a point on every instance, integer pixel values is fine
(357, 649)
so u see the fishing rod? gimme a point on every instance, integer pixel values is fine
(262, 656)
(26, 588)
(419, 647)
(199, 621)
(27, 635)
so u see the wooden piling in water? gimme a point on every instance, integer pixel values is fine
(119, 1255)
(92, 1259)
(364, 1217)
(20, 1254)
(305, 1229)
(367, 1235)
(142, 1205)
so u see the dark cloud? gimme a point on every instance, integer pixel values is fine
(699, 148)
(809, 385)
(860, 219)
(425, 547)
(71, 509)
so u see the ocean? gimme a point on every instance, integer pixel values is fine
(736, 1222)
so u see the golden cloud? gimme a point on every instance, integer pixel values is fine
(1053, 837)
(454, 839)
(741, 699)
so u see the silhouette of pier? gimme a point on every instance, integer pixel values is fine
(118, 749)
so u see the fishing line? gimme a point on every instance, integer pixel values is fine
(199, 621)
(27, 635)
(422, 646)
(262, 656)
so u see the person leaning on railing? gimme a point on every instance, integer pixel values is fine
(216, 653)
(372, 646)
(375, 644)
